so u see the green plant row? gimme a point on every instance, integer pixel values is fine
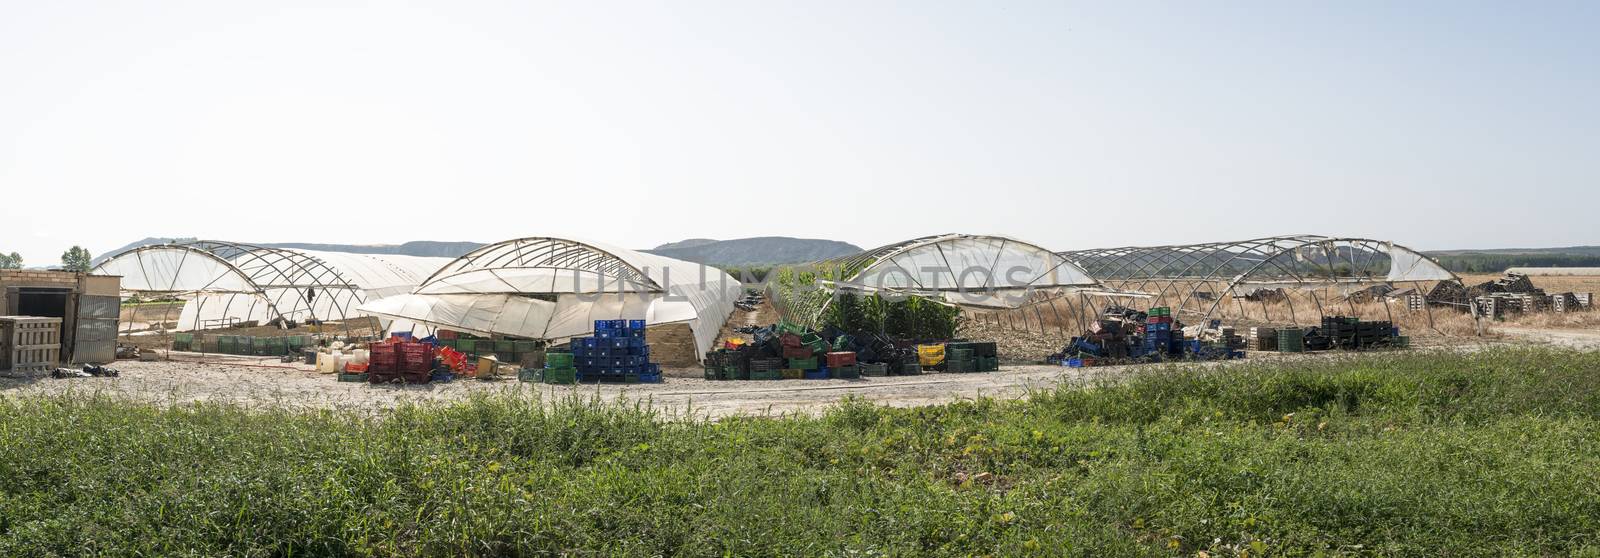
(1422, 454)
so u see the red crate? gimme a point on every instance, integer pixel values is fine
(843, 358)
(1159, 320)
(797, 352)
(790, 340)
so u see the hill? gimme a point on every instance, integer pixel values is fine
(764, 250)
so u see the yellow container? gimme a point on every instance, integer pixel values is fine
(930, 355)
(792, 374)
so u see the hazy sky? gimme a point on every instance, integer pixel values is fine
(1073, 125)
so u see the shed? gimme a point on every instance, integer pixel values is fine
(88, 306)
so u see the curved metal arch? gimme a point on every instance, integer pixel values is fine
(1184, 270)
(859, 264)
(287, 271)
(543, 252)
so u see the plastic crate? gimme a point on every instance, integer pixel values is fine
(840, 359)
(846, 372)
(873, 369)
(818, 374)
(558, 360)
(803, 363)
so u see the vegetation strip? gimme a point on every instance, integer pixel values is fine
(1488, 453)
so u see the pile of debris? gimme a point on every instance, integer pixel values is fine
(1513, 294)
(1123, 335)
(1516, 294)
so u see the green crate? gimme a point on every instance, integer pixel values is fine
(873, 369)
(469, 346)
(909, 369)
(961, 365)
(451, 343)
(958, 354)
(803, 363)
(246, 346)
(228, 344)
(714, 372)
(988, 364)
(1291, 341)
(558, 360)
(561, 375)
(296, 343)
(505, 346)
(362, 377)
(846, 372)
(766, 374)
(523, 347)
(534, 375)
(275, 346)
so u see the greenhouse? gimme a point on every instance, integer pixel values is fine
(554, 289)
(966, 271)
(227, 284)
(1286, 279)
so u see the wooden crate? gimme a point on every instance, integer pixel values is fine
(29, 345)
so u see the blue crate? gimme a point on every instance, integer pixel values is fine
(818, 374)
(636, 342)
(602, 325)
(1075, 362)
(635, 324)
(604, 334)
(1157, 327)
(590, 342)
(619, 343)
(650, 378)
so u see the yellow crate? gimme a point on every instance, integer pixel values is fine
(930, 355)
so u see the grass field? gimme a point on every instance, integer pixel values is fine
(1421, 454)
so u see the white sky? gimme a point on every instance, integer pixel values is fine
(1443, 125)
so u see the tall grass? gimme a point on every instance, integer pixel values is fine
(1424, 454)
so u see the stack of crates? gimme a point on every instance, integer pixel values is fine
(1263, 339)
(1354, 334)
(988, 356)
(182, 341)
(960, 357)
(617, 353)
(1160, 339)
(1291, 340)
(764, 369)
(559, 368)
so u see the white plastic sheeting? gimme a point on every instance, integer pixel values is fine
(226, 283)
(549, 288)
(175, 269)
(970, 264)
(1406, 265)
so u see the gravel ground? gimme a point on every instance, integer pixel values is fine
(262, 383)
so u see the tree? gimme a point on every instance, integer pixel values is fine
(11, 261)
(76, 259)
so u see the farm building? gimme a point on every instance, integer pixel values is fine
(970, 271)
(86, 304)
(555, 288)
(1289, 279)
(228, 284)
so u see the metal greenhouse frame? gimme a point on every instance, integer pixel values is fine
(233, 279)
(1275, 280)
(966, 271)
(555, 288)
